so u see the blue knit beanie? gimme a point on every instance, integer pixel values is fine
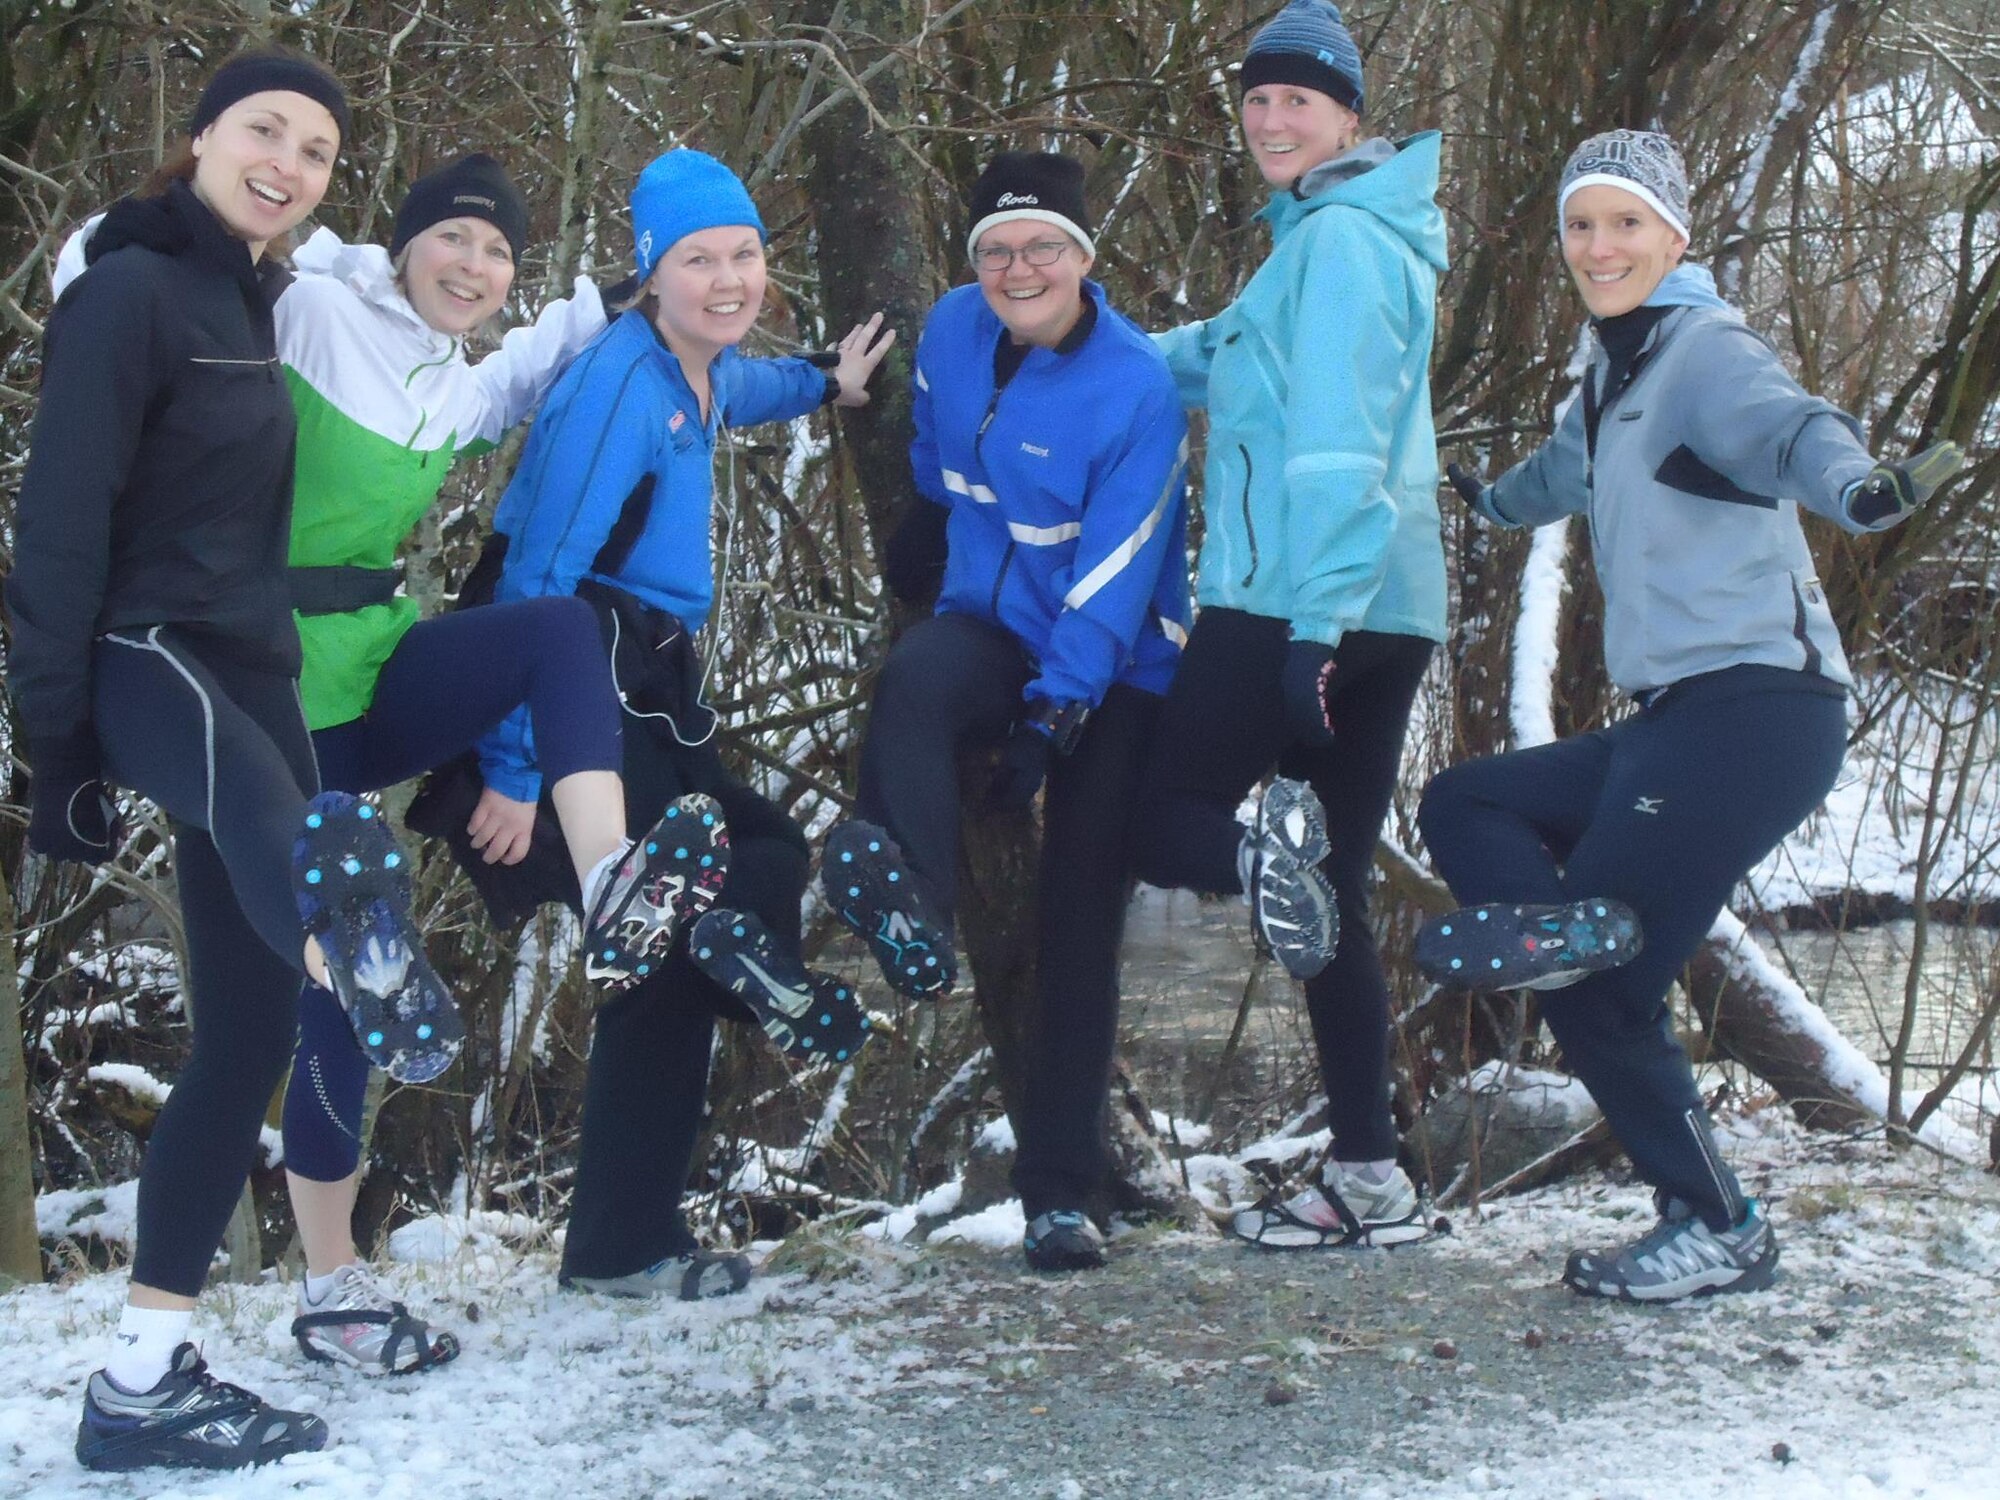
(681, 193)
(1307, 45)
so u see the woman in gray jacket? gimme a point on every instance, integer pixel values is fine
(1604, 859)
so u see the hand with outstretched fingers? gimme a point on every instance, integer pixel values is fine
(1469, 485)
(1307, 681)
(502, 829)
(860, 352)
(1896, 487)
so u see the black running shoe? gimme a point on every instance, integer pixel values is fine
(1062, 1240)
(1506, 947)
(810, 1016)
(693, 1277)
(874, 893)
(353, 889)
(190, 1420)
(670, 877)
(1291, 900)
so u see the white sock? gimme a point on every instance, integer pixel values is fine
(316, 1287)
(593, 883)
(143, 1349)
(1373, 1173)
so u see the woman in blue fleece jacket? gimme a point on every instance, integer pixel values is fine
(612, 501)
(1321, 584)
(1049, 460)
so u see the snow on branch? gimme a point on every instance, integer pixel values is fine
(1729, 268)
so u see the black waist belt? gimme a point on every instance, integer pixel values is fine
(335, 591)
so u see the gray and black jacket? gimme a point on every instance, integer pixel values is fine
(1703, 455)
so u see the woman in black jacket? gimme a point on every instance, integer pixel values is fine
(153, 646)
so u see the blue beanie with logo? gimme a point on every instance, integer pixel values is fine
(1307, 44)
(682, 193)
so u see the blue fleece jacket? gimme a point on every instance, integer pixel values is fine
(1320, 486)
(1067, 495)
(621, 416)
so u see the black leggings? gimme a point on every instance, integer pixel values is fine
(223, 750)
(1666, 811)
(1224, 729)
(953, 682)
(448, 681)
(647, 1086)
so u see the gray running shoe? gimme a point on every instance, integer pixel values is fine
(1346, 1209)
(1681, 1257)
(1291, 900)
(189, 1420)
(690, 1278)
(358, 1324)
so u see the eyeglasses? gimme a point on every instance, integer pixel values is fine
(999, 257)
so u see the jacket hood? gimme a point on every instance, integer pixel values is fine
(1397, 182)
(368, 272)
(1687, 286)
(175, 223)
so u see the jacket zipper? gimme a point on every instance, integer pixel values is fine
(1006, 557)
(1249, 526)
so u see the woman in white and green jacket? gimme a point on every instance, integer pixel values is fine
(373, 347)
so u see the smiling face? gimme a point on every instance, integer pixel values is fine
(265, 163)
(1039, 304)
(1290, 130)
(457, 274)
(1618, 248)
(710, 288)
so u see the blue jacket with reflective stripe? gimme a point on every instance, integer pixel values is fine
(621, 415)
(1067, 489)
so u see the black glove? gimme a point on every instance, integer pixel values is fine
(70, 816)
(1307, 679)
(913, 561)
(1469, 486)
(1893, 489)
(1023, 767)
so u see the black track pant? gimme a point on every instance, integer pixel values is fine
(1223, 730)
(1665, 811)
(647, 1085)
(953, 682)
(223, 750)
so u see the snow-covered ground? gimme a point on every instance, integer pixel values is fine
(1190, 1366)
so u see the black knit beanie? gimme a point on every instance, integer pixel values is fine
(473, 187)
(250, 73)
(1030, 185)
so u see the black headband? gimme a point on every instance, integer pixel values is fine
(250, 73)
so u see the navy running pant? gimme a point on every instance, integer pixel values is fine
(1223, 730)
(646, 1090)
(222, 749)
(1665, 811)
(953, 682)
(448, 682)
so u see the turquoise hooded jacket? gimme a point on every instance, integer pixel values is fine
(1320, 484)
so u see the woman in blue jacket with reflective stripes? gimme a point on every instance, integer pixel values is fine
(1049, 461)
(1321, 585)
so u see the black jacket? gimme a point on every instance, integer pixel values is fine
(158, 488)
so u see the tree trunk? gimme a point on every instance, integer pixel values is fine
(20, 1250)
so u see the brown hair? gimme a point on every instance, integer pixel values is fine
(178, 167)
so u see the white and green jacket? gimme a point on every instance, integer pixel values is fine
(385, 403)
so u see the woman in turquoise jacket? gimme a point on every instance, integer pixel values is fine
(1321, 584)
